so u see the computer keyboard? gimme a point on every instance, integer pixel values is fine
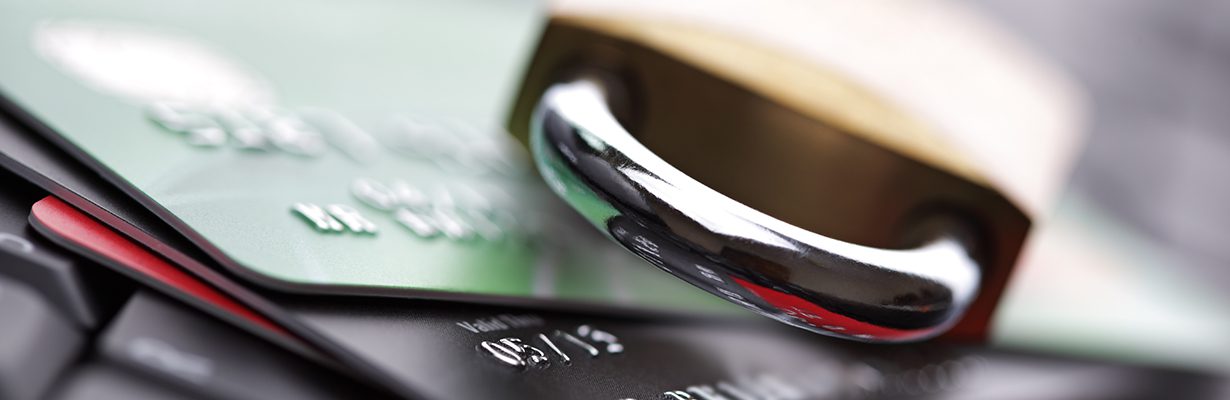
(36, 341)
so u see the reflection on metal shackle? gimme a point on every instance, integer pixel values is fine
(724, 247)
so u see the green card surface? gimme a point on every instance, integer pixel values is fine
(326, 146)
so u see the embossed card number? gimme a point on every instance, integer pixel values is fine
(270, 130)
(520, 354)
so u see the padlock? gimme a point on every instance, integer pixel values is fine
(776, 183)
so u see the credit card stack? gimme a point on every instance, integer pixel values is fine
(310, 200)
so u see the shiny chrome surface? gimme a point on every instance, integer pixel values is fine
(738, 253)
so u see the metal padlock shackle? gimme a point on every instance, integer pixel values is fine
(729, 249)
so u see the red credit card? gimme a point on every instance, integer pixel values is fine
(72, 229)
(195, 285)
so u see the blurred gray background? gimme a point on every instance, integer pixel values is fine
(1158, 77)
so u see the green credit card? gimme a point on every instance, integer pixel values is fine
(319, 146)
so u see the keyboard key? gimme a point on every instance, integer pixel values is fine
(83, 294)
(36, 342)
(109, 382)
(199, 353)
